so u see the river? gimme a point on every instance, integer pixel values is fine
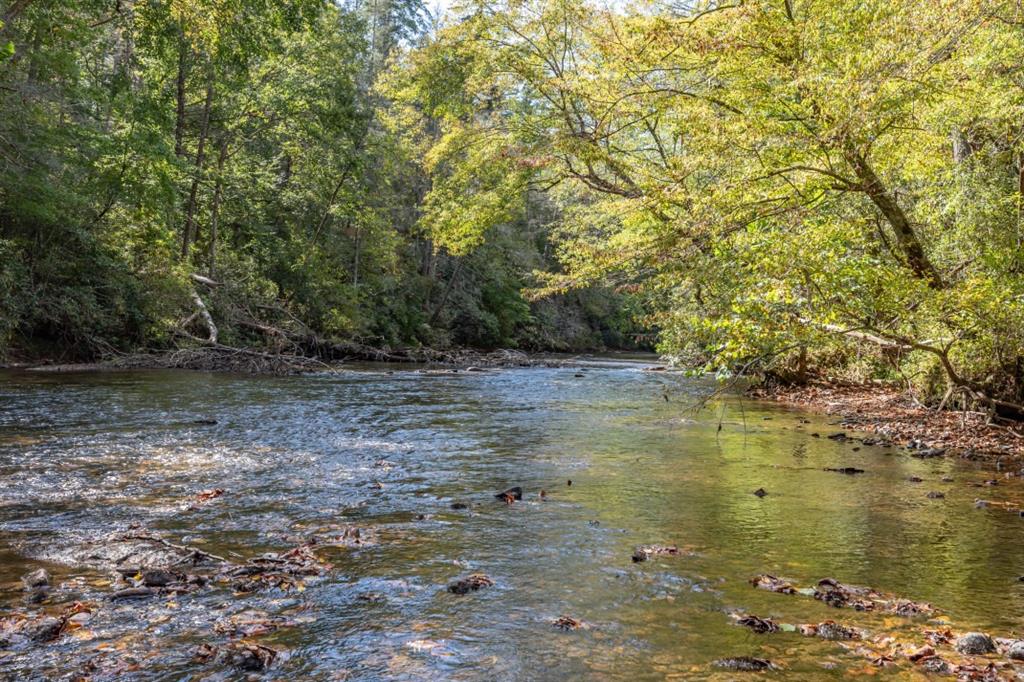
(389, 450)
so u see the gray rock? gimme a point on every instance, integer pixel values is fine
(1016, 651)
(35, 579)
(974, 643)
(44, 630)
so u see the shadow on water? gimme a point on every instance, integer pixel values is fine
(84, 455)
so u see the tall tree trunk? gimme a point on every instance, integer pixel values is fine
(447, 290)
(355, 257)
(179, 125)
(218, 190)
(906, 237)
(188, 233)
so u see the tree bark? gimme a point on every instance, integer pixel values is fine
(179, 125)
(188, 233)
(906, 237)
(218, 191)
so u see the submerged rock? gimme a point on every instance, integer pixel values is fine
(760, 492)
(834, 631)
(459, 505)
(772, 584)
(645, 552)
(241, 655)
(845, 470)
(514, 493)
(159, 578)
(45, 629)
(975, 643)
(36, 579)
(567, 623)
(757, 624)
(745, 664)
(935, 495)
(471, 583)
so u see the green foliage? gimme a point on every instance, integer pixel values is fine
(780, 182)
(244, 142)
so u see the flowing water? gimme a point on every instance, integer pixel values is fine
(85, 455)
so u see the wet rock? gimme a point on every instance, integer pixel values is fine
(832, 631)
(37, 596)
(204, 496)
(928, 453)
(838, 595)
(44, 629)
(510, 495)
(936, 665)
(772, 584)
(133, 593)
(251, 623)
(760, 492)
(567, 623)
(947, 479)
(159, 578)
(915, 479)
(845, 470)
(935, 495)
(757, 624)
(204, 422)
(975, 643)
(470, 583)
(242, 655)
(815, 435)
(981, 504)
(837, 436)
(1016, 650)
(36, 579)
(372, 597)
(645, 552)
(459, 505)
(920, 653)
(745, 664)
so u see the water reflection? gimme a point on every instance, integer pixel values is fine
(81, 455)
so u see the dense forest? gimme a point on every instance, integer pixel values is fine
(238, 156)
(775, 186)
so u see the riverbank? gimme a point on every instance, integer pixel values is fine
(898, 418)
(259, 361)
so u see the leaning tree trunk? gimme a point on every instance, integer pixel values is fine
(188, 233)
(906, 237)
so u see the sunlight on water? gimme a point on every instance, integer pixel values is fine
(85, 455)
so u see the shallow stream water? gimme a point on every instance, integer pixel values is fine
(88, 454)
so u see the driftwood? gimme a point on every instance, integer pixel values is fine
(289, 346)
